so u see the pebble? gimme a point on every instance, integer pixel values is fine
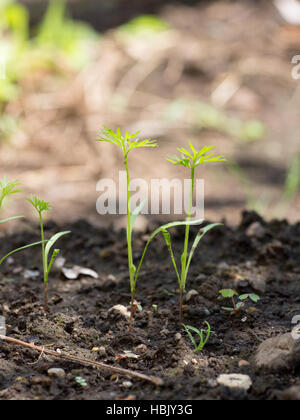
(127, 384)
(121, 309)
(277, 353)
(100, 350)
(212, 383)
(56, 373)
(243, 363)
(191, 294)
(235, 380)
(164, 332)
(256, 230)
(178, 337)
(40, 380)
(141, 349)
(223, 265)
(258, 283)
(201, 277)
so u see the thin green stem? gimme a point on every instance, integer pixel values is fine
(129, 242)
(187, 232)
(186, 244)
(43, 245)
(44, 264)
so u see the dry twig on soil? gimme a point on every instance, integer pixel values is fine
(125, 372)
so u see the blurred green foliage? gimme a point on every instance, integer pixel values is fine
(58, 44)
(201, 115)
(58, 39)
(142, 27)
(58, 32)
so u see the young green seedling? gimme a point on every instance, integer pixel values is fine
(127, 143)
(190, 159)
(200, 333)
(41, 206)
(237, 306)
(8, 188)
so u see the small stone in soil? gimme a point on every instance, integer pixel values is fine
(243, 363)
(256, 230)
(164, 332)
(40, 380)
(191, 294)
(121, 309)
(140, 349)
(235, 380)
(280, 352)
(127, 384)
(56, 373)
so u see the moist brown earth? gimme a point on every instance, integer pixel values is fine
(79, 319)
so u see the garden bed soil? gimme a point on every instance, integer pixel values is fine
(264, 255)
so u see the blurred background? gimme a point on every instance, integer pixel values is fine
(213, 72)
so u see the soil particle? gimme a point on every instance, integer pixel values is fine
(235, 380)
(56, 373)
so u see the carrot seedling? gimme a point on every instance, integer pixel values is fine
(8, 188)
(41, 206)
(126, 144)
(190, 159)
(203, 339)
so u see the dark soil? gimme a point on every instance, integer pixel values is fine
(80, 320)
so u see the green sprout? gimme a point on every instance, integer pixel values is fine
(237, 306)
(190, 159)
(41, 206)
(203, 339)
(81, 381)
(8, 188)
(126, 144)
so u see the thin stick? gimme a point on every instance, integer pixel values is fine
(126, 372)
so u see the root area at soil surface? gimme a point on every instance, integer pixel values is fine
(256, 257)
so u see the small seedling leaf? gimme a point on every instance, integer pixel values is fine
(167, 237)
(159, 230)
(20, 249)
(255, 298)
(244, 297)
(240, 305)
(228, 293)
(52, 241)
(135, 213)
(10, 219)
(198, 238)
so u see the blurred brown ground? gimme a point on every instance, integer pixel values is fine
(245, 43)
